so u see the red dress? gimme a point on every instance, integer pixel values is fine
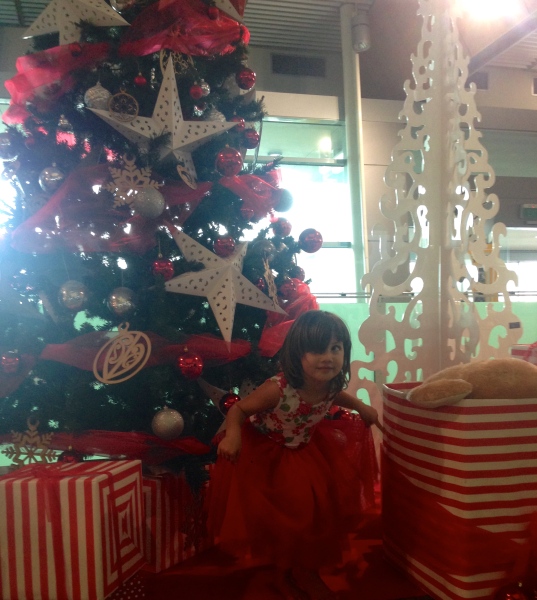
(299, 486)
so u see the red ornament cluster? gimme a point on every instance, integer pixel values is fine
(310, 240)
(282, 227)
(164, 267)
(227, 401)
(224, 246)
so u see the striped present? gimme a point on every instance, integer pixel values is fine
(459, 489)
(175, 521)
(70, 531)
(527, 352)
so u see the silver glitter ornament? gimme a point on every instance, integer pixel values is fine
(64, 124)
(121, 5)
(122, 301)
(97, 97)
(148, 203)
(73, 295)
(205, 87)
(168, 424)
(50, 179)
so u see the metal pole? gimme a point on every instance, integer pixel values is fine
(353, 128)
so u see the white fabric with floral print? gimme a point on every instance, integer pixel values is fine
(293, 421)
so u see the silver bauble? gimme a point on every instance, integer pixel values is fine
(122, 301)
(51, 178)
(168, 424)
(121, 5)
(148, 203)
(64, 124)
(73, 295)
(205, 88)
(97, 97)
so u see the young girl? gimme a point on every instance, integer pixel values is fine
(290, 484)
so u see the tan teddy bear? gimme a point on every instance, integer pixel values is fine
(495, 378)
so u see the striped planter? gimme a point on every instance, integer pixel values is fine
(459, 488)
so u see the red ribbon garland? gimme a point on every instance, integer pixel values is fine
(134, 445)
(183, 27)
(44, 76)
(81, 351)
(79, 219)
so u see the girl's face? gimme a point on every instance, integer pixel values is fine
(321, 368)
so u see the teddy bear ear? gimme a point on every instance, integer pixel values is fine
(440, 392)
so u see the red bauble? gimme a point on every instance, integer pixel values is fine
(512, 591)
(213, 13)
(245, 78)
(224, 246)
(196, 92)
(250, 138)
(240, 123)
(229, 161)
(281, 227)
(282, 200)
(310, 240)
(164, 267)
(287, 289)
(10, 362)
(247, 213)
(140, 80)
(190, 365)
(71, 456)
(297, 272)
(227, 401)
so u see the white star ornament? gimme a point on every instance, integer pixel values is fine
(185, 136)
(221, 282)
(64, 16)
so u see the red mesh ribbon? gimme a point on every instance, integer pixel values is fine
(81, 351)
(78, 219)
(427, 532)
(44, 76)
(257, 195)
(278, 325)
(130, 444)
(183, 27)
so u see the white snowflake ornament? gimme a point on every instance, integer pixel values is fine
(221, 282)
(64, 16)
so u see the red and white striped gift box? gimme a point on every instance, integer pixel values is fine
(70, 531)
(527, 352)
(175, 528)
(459, 489)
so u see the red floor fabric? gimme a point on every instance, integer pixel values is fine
(213, 576)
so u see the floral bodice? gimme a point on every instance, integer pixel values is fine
(293, 421)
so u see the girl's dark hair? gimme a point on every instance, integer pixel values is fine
(312, 332)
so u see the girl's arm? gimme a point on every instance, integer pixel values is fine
(265, 397)
(366, 412)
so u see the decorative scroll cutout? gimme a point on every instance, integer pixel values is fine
(444, 260)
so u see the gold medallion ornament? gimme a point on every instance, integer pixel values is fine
(30, 447)
(123, 356)
(123, 106)
(182, 63)
(128, 181)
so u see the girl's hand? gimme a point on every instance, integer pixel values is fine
(230, 447)
(369, 415)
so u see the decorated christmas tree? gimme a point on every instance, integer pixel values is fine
(132, 311)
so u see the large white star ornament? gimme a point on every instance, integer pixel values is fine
(221, 282)
(185, 136)
(64, 16)
(227, 7)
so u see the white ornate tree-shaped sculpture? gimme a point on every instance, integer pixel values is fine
(445, 243)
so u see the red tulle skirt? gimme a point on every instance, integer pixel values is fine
(294, 507)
